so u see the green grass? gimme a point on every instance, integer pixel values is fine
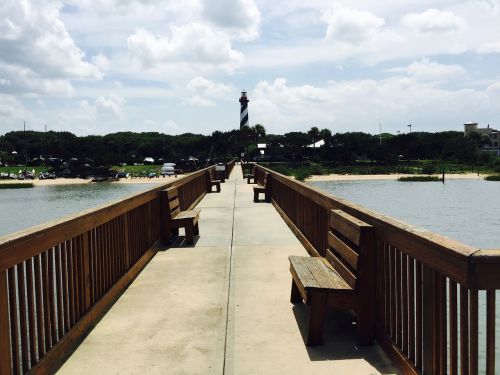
(17, 185)
(16, 169)
(492, 178)
(137, 168)
(419, 178)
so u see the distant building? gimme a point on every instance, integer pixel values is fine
(492, 134)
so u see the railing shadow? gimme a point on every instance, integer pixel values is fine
(340, 340)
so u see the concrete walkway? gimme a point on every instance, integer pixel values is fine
(221, 306)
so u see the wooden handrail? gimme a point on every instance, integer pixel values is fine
(59, 278)
(420, 275)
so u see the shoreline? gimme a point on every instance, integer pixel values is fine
(80, 181)
(372, 177)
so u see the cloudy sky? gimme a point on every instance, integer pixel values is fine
(100, 66)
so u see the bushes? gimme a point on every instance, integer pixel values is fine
(492, 178)
(429, 169)
(418, 178)
(17, 185)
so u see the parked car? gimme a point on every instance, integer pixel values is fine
(168, 169)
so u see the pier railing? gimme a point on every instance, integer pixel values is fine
(229, 167)
(58, 279)
(428, 286)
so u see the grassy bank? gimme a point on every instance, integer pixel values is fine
(16, 169)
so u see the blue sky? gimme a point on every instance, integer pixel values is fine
(101, 66)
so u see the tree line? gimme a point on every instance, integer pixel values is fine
(129, 147)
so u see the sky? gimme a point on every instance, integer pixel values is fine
(102, 66)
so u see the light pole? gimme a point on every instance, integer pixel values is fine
(409, 125)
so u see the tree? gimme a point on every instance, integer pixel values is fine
(313, 134)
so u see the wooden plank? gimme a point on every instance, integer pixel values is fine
(404, 302)
(46, 301)
(57, 355)
(411, 309)
(4, 326)
(59, 299)
(473, 326)
(306, 279)
(418, 315)
(342, 270)
(14, 333)
(464, 330)
(40, 323)
(490, 332)
(392, 261)
(453, 319)
(23, 326)
(344, 224)
(399, 310)
(397, 357)
(343, 249)
(173, 204)
(31, 310)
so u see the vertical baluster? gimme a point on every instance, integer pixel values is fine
(399, 319)
(86, 277)
(5, 348)
(490, 332)
(65, 287)
(14, 333)
(411, 309)
(21, 287)
(473, 324)
(404, 301)
(453, 328)
(40, 318)
(418, 316)
(393, 292)
(53, 316)
(464, 330)
(74, 271)
(443, 335)
(60, 301)
(46, 301)
(387, 289)
(31, 310)
(71, 287)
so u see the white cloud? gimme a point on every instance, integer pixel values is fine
(12, 111)
(351, 25)
(240, 17)
(359, 105)
(434, 21)
(203, 92)
(426, 70)
(111, 104)
(491, 47)
(36, 46)
(193, 44)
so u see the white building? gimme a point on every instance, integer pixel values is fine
(493, 134)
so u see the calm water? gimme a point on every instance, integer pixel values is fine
(23, 208)
(465, 210)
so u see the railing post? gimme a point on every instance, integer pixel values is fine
(208, 180)
(4, 326)
(269, 187)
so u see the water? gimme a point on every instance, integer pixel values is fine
(464, 210)
(23, 208)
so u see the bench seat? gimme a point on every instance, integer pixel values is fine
(175, 218)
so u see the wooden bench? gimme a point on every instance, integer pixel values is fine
(213, 183)
(249, 177)
(344, 280)
(181, 219)
(257, 190)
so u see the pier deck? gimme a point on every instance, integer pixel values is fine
(221, 306)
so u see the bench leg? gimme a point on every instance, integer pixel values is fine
(255, 196)
(218, 188)
(189, 234)
(196, 229)
(295, 296)
(316, 319)
(365, 328)
(175, 232)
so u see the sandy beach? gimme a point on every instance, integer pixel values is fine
(79, 181)
(353, 177)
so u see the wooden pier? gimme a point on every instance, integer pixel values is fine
(100, 292)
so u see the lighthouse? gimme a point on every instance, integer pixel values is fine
(243, 109)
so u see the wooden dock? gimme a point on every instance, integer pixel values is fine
(99, 292)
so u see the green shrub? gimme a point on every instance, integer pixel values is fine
(301, 174)
(419, 178)
(17, 185)
(429, 169)
(492, 178)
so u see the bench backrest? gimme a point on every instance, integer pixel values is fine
(265, 179)
(174, 205)
(351, 249)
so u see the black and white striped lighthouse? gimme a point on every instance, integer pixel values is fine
(243, 109)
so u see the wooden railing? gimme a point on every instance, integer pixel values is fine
(428, 286)
(58, 279)
(229, 167)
